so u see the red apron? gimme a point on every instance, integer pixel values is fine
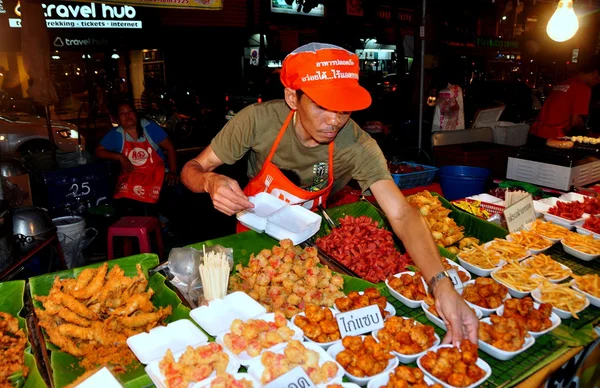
(271, 180)
(145, 181)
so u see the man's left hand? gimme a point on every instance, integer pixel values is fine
(459, 318)
(171, 178)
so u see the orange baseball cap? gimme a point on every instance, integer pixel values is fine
(327, 74)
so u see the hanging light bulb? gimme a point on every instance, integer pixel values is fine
(563, 25)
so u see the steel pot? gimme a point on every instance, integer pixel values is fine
(30, 225)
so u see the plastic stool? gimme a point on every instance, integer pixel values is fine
(139, 227)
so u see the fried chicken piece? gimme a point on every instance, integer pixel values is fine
(146, 319)
(74, 305)
(137, 302)
(94, 286)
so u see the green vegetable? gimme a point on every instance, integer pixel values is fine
(17, 379)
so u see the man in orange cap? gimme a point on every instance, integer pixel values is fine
(304, 147)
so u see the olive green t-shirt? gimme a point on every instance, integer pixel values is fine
(356, 155)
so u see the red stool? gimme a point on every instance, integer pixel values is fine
(139, 227)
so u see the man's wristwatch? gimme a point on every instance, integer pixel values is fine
(434, 280)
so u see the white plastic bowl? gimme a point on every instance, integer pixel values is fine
(554, 280)
(587, 232)
(483, 272)
(324, 345)
(563, 314)
(512, 291)
(555, 319)
(388, 307)
(337, 348)
(595, 301)
(527, 251)
(439, 322)
(529, 226)
(578, 254)
(532, 250)
(383, 380)
(500, 354)
(569, 224)
(480, 363)
(412, 303)
(485, 311)
(408, 358)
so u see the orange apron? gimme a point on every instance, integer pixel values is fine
(145, 181)
(271, 180)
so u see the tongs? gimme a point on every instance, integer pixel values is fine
(328, 218)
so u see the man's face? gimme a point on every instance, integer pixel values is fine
(319, 123)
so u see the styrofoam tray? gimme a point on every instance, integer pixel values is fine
(324, 345)
(176, 336)
(484, 197)
(256, 368)
(572, 197)
(439, 322)
(500, 354)
(485, 311)
(337, 348)
(512, 291)
(563, 314)
(264, 206)
(244, 358)
(594, 300)
(103, 378)
(153, 370)
(552, 280)
(578, 254)
(408, 358)
(383, 380)
(480, 363)
(412, 303)
(236, 376)
(543, 205)
(555, 319)
(483, 272)
(218, 315)
(388, 307)
(279, 233)
(296, 219)
(569, 224)
(587, 232)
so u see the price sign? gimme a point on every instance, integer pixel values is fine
(296, 378)
(519, 214)
(360, 321)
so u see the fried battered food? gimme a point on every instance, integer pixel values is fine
(504, 333)
(548, 229)
(318, 324)
(294, 355)
(93, 315)
(256, 334)
(194, 365)
(524, 312)
(363, 358)
(286, 278)
(507, 250)
(589, 284)
(12, 351)
(406, 336)
(355, 300)
(467, 242)
(407, 377)
(453, 366)
(409, 286)
(485, 292)
(547, 267)
(227, 381)
(444, 230)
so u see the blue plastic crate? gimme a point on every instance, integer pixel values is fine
(415, 179)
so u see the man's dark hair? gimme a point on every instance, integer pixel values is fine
(590, 64)
(299, 93)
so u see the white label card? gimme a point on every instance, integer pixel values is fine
(296, 378)
(360, 321)
(455, 279)
(519, 214)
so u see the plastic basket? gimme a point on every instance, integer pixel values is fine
(415, 179)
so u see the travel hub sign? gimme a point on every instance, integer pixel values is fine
(92, 15)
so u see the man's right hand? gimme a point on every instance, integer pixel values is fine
(126, 164)
(226, 194)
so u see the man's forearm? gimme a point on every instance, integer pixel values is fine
(194, 177)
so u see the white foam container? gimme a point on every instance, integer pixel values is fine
(236, 376)
(362, 381)
(153, 370)
(216, 318)
(526, 255)
(554, 240)
(483, 272)
(555, 319)
(480, 363)
(244, 358)
(324, 345)
(595, 301)
(572, 197)
(256, 368)
(552, 280)
(587, 232)
(500, 354)
(388, 307)
(563, 314)
(177, 336)
(383, 380)
(534, 251)
(408, 358)
(578, 254)
(542, 206)
(512, 291)
(569, 224)
(439, 322)
(485, 311)
(103, 378)
(412, 303)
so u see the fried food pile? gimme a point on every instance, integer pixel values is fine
(255, 335)
(286, 278)
(406, 336)
(524, 312)
(550, 230)
(582, 243)
(485, 292)
(407, 377)
(92, 315)
(354, 300)
(194, 365)
(443, 228)
(12, 350)
(453, 366)
(530, 240)
(318, 324)
(227, 381)
(588, 283)
(409, 286)
(363, 358)
(481, 257)
(547, 267)
(562, 297)
(294, 355)
(504, 333)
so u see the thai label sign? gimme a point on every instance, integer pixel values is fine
(360, 321)
(296, 378)
(519, 214)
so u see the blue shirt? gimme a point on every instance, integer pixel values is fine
(115, 139)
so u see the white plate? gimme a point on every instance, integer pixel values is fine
(483, 272)
(439, 322)
(569, 224)
(337, 348)
(578, 254)
(412, 303)
(512, 291)
(153, 370)
(244, 358)
(532, 250)
(540, 207)
(102, 378)
(383, 380)
(595, 301)
(555, 319)
(256, 367)
(236, 376)
(587, 232)
(553, 280)
(503, 354)
(484, 311)
(480, 363)
(572, 197)
(176, 336)
(487, 198)
(527, 251)
(324, 345)
(388, 307)
(217, 316)
(408, 358)
(458, 267)
(563, 314)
